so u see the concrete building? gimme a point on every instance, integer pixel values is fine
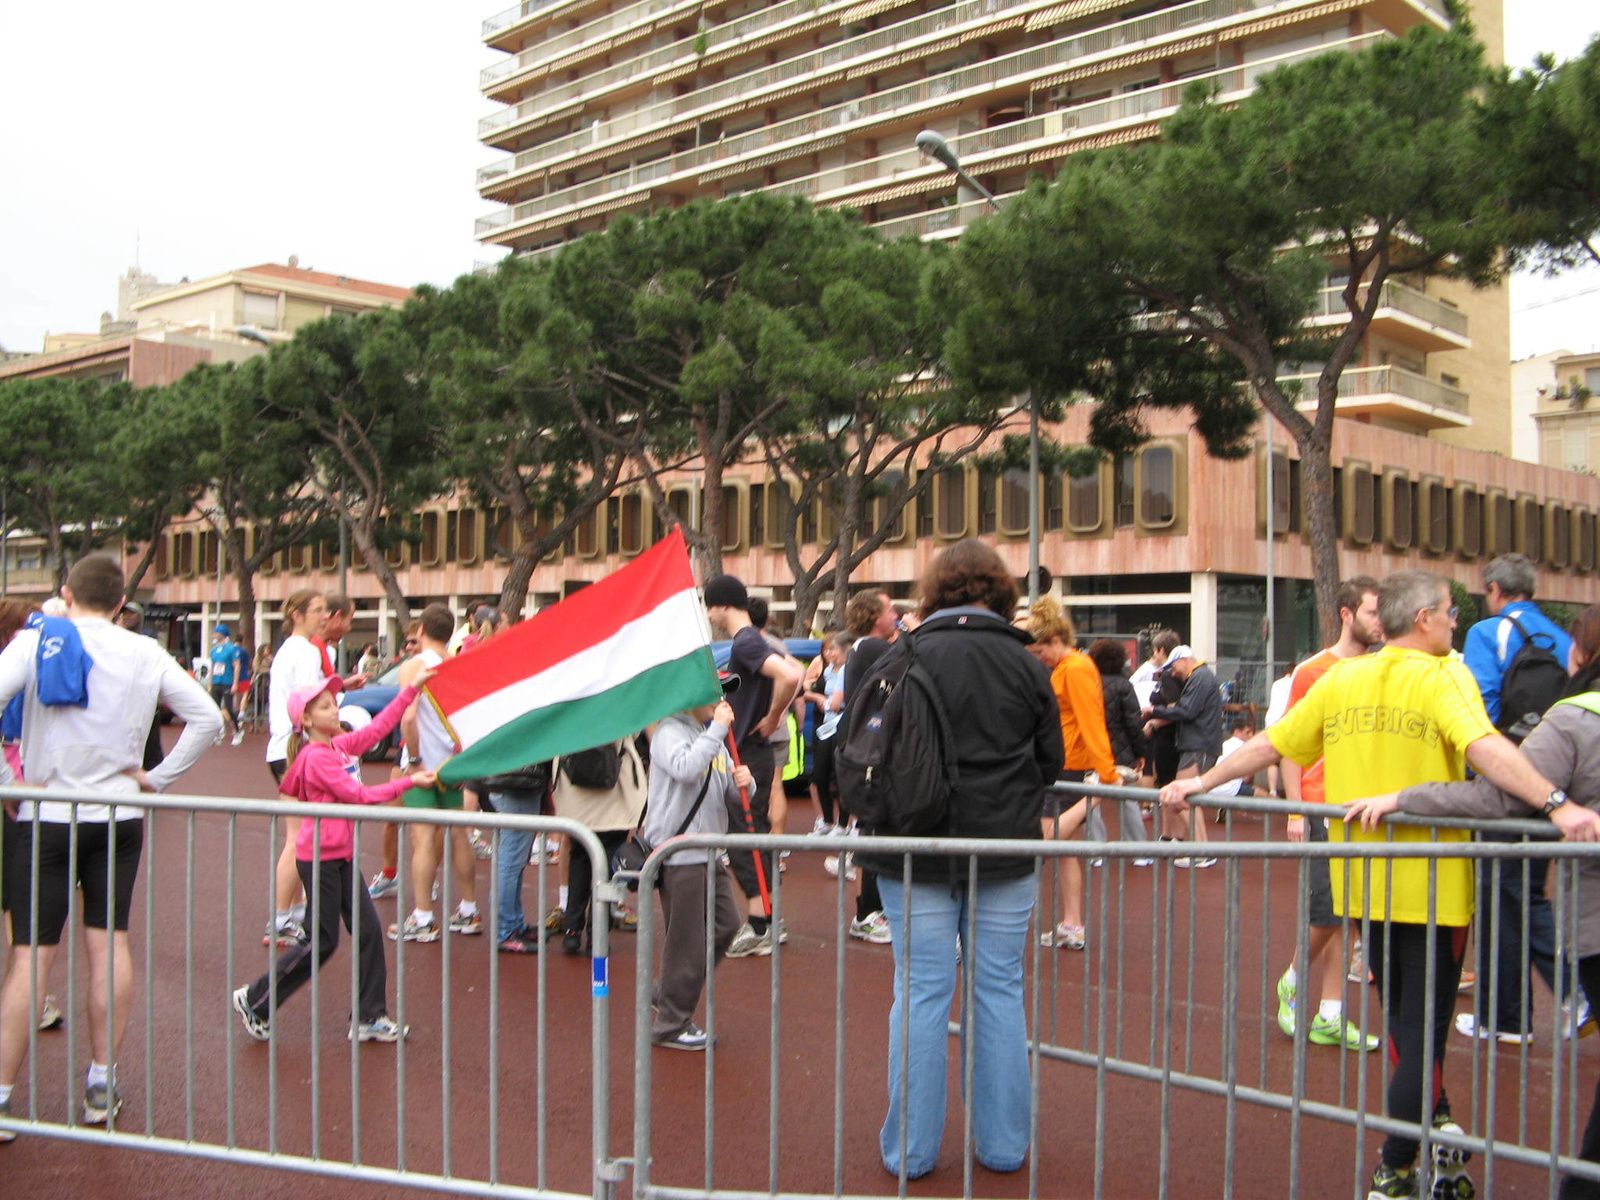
(161, 331)
(1568, 413)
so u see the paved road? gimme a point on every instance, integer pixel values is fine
(172, 1080)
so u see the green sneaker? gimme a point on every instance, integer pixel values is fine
(1286, 1005)
(1337, 1031)
(1389, 1183)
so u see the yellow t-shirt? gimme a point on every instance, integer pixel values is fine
(1382, 722)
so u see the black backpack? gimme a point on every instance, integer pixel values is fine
(895, 765)
(1534, 679)
(598, 767)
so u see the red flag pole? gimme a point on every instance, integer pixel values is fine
(750, 827)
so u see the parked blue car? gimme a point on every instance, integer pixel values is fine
(373, 699)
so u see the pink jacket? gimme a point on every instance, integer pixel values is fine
(331, 774)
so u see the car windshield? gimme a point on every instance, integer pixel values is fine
(390, 678)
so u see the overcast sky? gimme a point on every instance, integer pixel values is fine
(195, 137)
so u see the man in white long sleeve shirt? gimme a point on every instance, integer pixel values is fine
(95, 747)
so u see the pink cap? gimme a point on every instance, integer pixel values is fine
(300, 699)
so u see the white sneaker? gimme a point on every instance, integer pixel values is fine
(874, 928)
(1467, 1026)
(820, 828)
(747, 943)
(238, 737)
(831, 864)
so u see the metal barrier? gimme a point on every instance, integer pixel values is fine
(209, 1093)
(1159, 1024)
(1155, 1061)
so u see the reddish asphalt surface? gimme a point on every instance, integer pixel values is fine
(1126, 1151)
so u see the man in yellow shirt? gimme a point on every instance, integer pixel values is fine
(1380, 722)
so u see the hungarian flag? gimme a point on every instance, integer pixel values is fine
(598, 666)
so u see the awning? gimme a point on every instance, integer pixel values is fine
(1058, 13)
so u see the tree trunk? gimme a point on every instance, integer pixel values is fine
(361, 537)
(708, 546)
(1322, 529)
(244, 578)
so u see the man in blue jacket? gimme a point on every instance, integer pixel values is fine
(1504, 1012)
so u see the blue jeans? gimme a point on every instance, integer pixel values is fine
(1000, 1079)
(513, 860)
(1502, 939)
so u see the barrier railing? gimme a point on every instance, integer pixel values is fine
(1154, 1058)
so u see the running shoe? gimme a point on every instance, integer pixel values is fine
(5, 1115)
(832, 863)
(481, 849)
(414, 931)
(1193, 862)
(1286, 1005)
(50, 1016)
(1064, 937)
(290, 933)
(1581, 1026)
(383, 885)
(460, 922)
(874, 928)
(1467, 1026)
(255, 1026)
(1338, 1031)
(747, 943)
(381, 1029)
(238, 737)
(1390, 1183)
(690, 1037)
(1449, 1179)
(101, 1102)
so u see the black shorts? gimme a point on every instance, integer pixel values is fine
(1055, 803)
(278, 767)
(103, 848)
(1319, 910)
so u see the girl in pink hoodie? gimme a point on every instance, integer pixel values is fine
(324, 766)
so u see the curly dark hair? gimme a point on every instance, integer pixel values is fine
(1109, 655)
(969, 572)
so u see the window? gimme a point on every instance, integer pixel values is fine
(431, 551)
(890, 507)
(185, 547)
(950, 503)
(1083, 503)
(162, 563)
(1583, 549)
(988, 502)
(1436, 516)
(1558, 535)
(1469, 520)
(632, 523)
(328, 554)
(1399, 510)
(1055, 488)
(1122, 492)
(1497, 537)
(1591, 378)
(1528, 531)
(469, 536)
(611, 521)
(1158, 483)
(259, 309)
(732, 518)
(1282, 494)
(588, 536)
(208, 552)
(758, 514)
(1014, 503)
(1360, 515)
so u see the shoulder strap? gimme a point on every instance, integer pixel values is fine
(698, 801)
(1588, 700)
(1526, 636)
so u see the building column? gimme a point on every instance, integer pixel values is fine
(1203, 615)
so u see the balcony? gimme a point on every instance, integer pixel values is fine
(1034, 139)
(1404, 315)
(502, 22)
(1017, 68)
(1392, 394)
(635, 18)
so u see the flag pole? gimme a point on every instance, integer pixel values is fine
(750, 827)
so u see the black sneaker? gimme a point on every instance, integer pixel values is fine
(255, 1026)
(1389, 1183)
(690, 1037)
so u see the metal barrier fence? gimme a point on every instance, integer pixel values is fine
(207, 1092)
(1156, 1064)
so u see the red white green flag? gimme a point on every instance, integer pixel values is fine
(598, 666)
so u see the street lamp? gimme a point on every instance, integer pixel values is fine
(935, 147)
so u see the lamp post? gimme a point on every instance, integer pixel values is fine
(935, 147)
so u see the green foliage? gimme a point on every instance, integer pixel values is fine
(1468, 613)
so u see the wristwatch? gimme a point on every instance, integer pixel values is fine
(1553, 801)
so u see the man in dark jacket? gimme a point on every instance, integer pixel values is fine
(1198, 718)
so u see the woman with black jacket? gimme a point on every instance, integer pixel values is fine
(1007, 735)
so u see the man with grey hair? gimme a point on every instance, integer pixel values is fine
(1503, 1012)
(1381, 722)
